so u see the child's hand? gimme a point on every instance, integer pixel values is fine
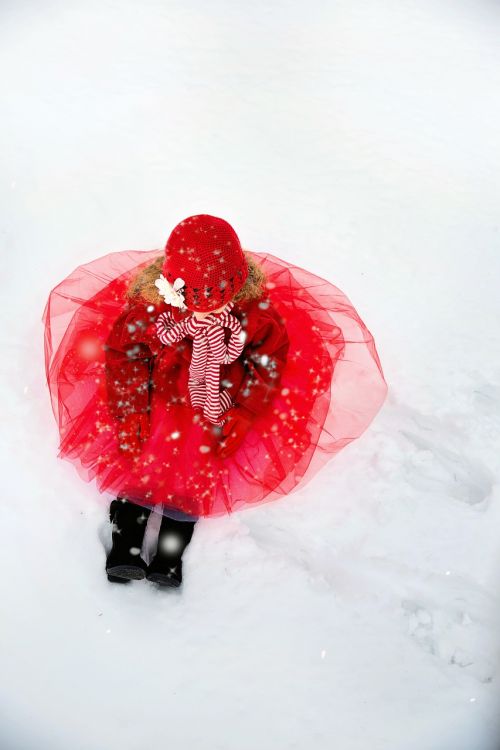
(234, 430)
(131, 432)
(164, 323)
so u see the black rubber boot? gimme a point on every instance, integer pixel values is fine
(124, 562)
(166, 566)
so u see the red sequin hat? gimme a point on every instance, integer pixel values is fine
(206, 253)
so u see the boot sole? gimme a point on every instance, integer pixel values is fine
(130, 572)
(117, 579)
(163, 580)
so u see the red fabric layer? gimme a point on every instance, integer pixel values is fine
(309, 379)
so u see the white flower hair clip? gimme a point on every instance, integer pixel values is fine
(171, 292)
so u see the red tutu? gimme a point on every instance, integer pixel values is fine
(329, 389)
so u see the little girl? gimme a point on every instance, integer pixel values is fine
(199, 381)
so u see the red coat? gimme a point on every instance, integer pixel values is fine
(138, 364)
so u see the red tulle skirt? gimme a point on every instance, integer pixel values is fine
(311, 417)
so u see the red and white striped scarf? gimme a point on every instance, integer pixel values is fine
(209, 352)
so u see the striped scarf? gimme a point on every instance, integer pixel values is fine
(208, 354)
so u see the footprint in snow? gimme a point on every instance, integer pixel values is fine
(436, 467)
(456, 633)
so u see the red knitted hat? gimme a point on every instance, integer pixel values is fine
(206, 253)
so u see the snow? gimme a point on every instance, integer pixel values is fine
(356, 139)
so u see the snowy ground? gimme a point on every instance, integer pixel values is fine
(359, 140)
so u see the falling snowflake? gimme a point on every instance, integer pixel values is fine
(170, 543)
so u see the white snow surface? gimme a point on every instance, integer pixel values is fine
(356, 139)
